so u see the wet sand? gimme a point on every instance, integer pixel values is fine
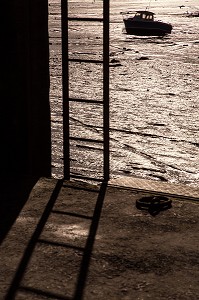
(153, 94)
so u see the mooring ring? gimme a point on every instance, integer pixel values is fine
(155, 202)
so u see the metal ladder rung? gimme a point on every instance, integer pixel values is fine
(79, 60)
(85, 19)
(86, 140)
(86, 101)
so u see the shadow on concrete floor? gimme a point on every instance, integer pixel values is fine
(16, 284)
(79, 241)
(14, 193)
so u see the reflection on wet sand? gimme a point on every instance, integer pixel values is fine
(153, 94)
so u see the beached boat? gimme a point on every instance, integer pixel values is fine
(143, 23)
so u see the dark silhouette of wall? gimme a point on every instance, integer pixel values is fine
(24, 104)
(24, 89)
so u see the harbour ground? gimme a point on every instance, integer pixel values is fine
(75, 240)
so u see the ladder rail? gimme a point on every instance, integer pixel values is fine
(106, 117)
(65, 88)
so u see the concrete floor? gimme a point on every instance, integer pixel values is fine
(73, 240)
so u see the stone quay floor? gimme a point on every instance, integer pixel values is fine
(76, 240)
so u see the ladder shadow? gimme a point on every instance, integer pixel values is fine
(16, 284)
(14, 194)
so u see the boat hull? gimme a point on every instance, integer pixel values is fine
(154, 28)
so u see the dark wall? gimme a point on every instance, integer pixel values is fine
(24, 88)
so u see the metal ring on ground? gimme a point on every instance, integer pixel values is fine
(153, 202)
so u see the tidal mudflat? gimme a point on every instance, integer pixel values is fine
(154, 125)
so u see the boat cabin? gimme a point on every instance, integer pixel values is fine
(144, 15)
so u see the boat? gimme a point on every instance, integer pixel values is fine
(143, 23)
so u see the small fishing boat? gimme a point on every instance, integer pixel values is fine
(143, 23)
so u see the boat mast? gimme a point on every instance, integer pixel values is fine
(148, 7)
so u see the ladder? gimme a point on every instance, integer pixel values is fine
(67, 138)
